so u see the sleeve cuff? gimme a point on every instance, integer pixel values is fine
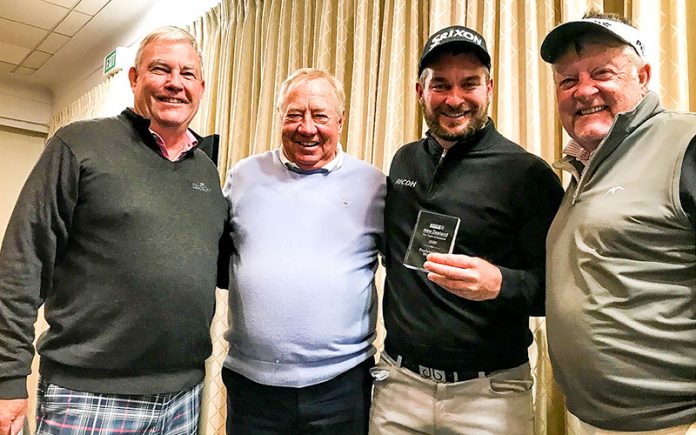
(520, 287)
(507, 289)
(15, 388)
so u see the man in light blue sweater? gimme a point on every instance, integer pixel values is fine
(306, 225)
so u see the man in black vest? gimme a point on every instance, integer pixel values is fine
(621, 265)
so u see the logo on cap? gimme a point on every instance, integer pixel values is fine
(601, 22)
(455, 33)
(639, 44)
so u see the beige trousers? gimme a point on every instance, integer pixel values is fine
(579, 427)
(405, 403)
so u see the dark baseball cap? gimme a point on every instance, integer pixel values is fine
(451, 36)
(558, 39)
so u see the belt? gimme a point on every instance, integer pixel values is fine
(438, 375)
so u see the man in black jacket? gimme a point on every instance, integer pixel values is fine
(458, 323)
(116, 232)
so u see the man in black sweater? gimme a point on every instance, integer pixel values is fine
(116, 232)
(457, 323)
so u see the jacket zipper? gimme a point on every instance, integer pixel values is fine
(436, 172)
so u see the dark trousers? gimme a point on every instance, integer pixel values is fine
(338, 406)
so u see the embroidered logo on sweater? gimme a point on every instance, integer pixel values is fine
(405, 182)
(200, 186)
(615, 189)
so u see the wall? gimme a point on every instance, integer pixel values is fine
(24, 107)
(19, 151)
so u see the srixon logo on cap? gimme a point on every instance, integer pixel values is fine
(456, 33)
(601, 23)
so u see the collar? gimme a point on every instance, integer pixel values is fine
(475, 142)
(575, 150)
(152, 139)
(331, 166)
(189, 142)
(137, 120)
(625, 123)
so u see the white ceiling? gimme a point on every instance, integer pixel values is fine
(50, 43)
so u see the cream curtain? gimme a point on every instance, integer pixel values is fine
(250, 46)
(254, 45)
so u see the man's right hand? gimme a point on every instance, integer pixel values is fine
(12, 413)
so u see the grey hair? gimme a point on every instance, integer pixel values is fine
(168, 33)
(304, 75)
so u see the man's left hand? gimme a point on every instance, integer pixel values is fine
(471, 278)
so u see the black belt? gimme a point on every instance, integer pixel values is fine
(438, 375)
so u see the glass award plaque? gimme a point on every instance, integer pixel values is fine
(433, 232)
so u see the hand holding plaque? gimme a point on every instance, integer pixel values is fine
(433, 232)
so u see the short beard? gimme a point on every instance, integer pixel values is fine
(477, 122)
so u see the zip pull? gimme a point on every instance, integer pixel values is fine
(442, 156)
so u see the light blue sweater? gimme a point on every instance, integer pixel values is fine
(302, 299)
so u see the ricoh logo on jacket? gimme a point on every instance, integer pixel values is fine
(405, 182)
(455, 32)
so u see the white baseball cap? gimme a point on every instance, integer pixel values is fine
(558, 39)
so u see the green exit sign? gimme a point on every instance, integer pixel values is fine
(110, 63)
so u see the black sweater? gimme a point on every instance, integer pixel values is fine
(121, 244)
(506, 199)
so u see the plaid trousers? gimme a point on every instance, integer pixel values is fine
(61, 411)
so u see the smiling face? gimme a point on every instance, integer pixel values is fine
(311, 123)
(595, 85)
(167, 85)
(454, 93)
